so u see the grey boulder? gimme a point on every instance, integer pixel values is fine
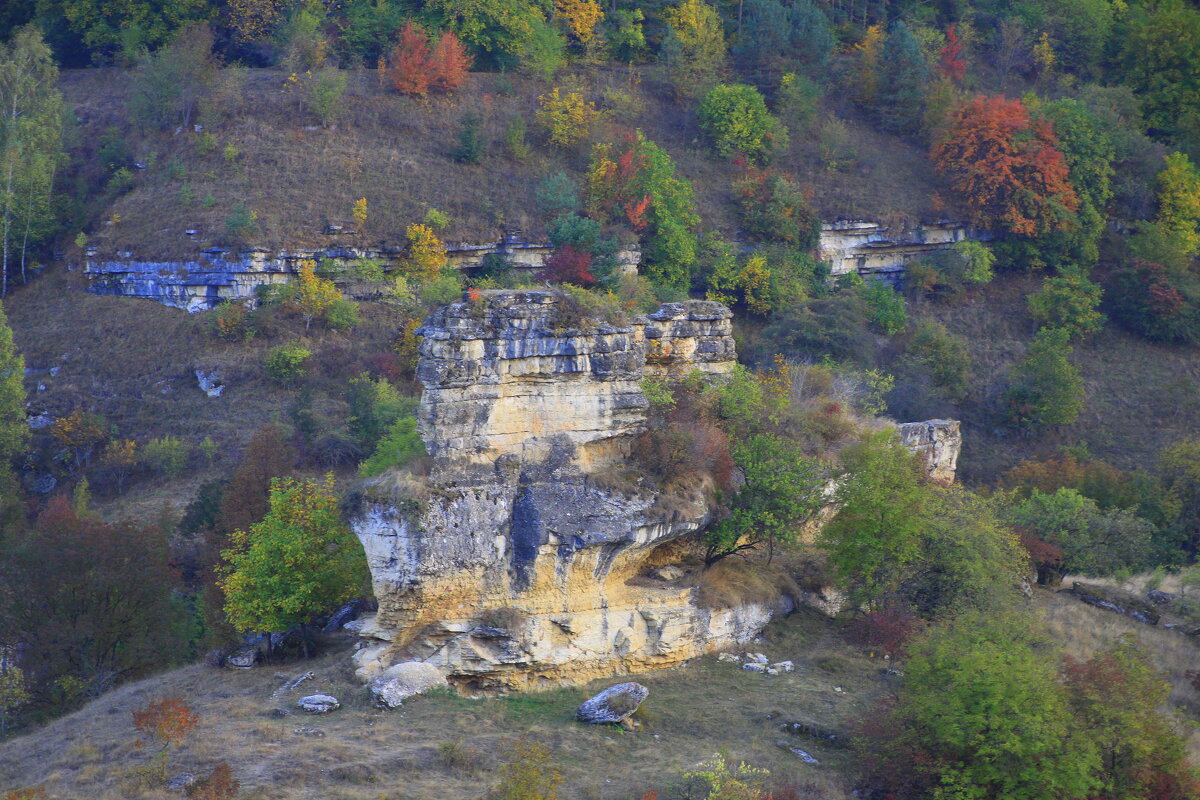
(402, 681)
(318, 704)
(613, 704)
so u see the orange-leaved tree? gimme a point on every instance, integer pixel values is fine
(168, 722)
(415, 66)
(1006, 168)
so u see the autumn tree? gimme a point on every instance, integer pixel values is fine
(951, 62)
(694, 49)
(426, 255)
(415, 66)
(1179, 201)
(1006, 168)
(567, 117)
(80, 432)
(13, 693)
(299, 561)
(84, 624)
(568, 265)
(866, 54)
(581, 16)
(167, 722)
(775, 208)
(736, 120)
(119, 458)
(315, 296)
(14, 429)
(245, 500)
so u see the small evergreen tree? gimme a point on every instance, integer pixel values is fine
(903, 77)
(1045, 388)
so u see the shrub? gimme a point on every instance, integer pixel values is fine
(557, 195)
(240, 223)
(885, 308)
(1069, 301)
(943, 355)
(166, 455)
(443, 288)
(528, 773)
(567, 118)
(471, 145)
(514, 139)
(342, 315)
(325, 92)
(774, 208)
(286, 364)
(232, 321)
(1045, 388)
(568, 265)
(736, 120)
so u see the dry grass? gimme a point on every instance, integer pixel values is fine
(443, 745)
(1141, 396)
(396, 152)
(133, 361)
(1084, 630)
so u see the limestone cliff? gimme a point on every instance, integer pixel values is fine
(522, 567)
(530, 555)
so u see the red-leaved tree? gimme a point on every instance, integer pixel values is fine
(416, 67)
(950, 60)
(448, 63)
(568, 265)
(408, 66)
(1006, 168)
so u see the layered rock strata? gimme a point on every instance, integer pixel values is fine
(533, 554)
(530, 562)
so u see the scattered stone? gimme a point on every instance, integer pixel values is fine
(784, 666)
(41, 387)
(54, 371)
(404, 680)
(1161, 598)
(669, 573)
(210, 383)
(772, 671)
(181, 781)
(293, 683)
(343, 615)
(43, 484)
(354, 625)
(280, 712)
(245, 657)
(613, 704)
(728, 658)
(40, 421)
(311, 732)
(757, 658)
(1115, 601)
(838, 690)
(754, 666)
(191, 232)
(805, 756)
(318, 704)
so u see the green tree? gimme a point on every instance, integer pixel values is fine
(1158, 50)
(170, 84)
(301, 560)
(736, 119)
(783, 492)
(881, 502)
(1180, 466)
(1045, 388)
(1089, 151)
(1069, 301)
(13, 694)
(400, 445)
(903, 80)
(943, 355)
(1179, 201)
(982, 715)
(127, 26)
(1093, 541)
(14, 428)
(885, 308)
(325, 90)
(502, 30)
(775, 39)
(30, 145)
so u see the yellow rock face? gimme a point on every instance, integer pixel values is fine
(521, 569)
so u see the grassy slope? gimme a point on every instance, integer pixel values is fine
(395, 151)
(1141, 396)
(693, 712)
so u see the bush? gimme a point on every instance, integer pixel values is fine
(1070, 302)
(567, 118)
(471, 145)
(885, 308)
(1045, 388)
(401, 445)
(325, 91)
(342, 315)
(286, 364)
(775, 209)
(442, 289)
(166, 455)
(557, 195)
(232, 321)
(943, 355)
(835, 326)
(736, 120)
(240, 223)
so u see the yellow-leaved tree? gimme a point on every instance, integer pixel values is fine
(426, 253)
(315, 296)
(567, 117)
(582, 17)
(1179, 201)
(695, 46)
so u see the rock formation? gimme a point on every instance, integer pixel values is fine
(872, 248)
(938, 442)
(532, 555)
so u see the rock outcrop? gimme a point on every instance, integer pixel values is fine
(938, 442)
(532, 554)
(868, 247)
(529, 561)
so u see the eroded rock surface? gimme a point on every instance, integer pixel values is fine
(938, 442)
(528, 563)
